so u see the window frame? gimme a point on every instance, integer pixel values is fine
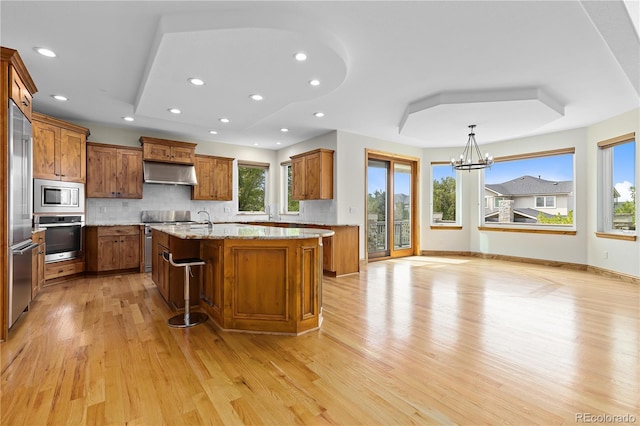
(544, 201)
(458, 222)
(254, 165)
(562, 229)
(606, 208)
(285, 167)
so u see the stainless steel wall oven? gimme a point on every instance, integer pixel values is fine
(64, 236)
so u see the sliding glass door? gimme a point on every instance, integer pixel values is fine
(390, 206)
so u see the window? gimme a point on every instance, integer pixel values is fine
(549, 201)
(531, 189)
(445, 195)
(252, 183)
(290, 205)
(617, 195)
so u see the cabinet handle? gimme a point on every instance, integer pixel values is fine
(25, 103)
(63, 175)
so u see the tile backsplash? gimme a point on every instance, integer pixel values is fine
(178, 197)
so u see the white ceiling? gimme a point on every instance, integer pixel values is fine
(411, 72)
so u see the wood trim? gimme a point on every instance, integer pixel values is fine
(618, 140)
(440, 163)
(144, 139)
(613, 274)
(107, 145)
(60, 123)
(214, 157)
(303, 154)
(528, 231)
(285, 163)
(615, 236)
(382, 155)
(4, 199)
(256, 164)
(538, 154)
(446, 228)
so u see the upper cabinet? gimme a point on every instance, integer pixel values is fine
(312, 175)
(59, 149)
(215, 178)
(168, 151)
(20, 87)
(113, 171)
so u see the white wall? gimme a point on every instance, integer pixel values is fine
(350, 175)
(621, 256)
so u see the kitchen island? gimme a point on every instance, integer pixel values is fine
(256, 278)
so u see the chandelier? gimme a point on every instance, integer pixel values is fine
(471, 158)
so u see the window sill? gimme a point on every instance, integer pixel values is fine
(290, 214)
(528, 231)
(446, 227)
(612, 236)
(251, 213)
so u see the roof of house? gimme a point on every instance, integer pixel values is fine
(529, 185)
(527, 212)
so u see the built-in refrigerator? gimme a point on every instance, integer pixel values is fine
(20, 207)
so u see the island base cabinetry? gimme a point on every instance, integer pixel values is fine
(262, 285)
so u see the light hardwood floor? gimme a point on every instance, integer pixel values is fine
(421, 340)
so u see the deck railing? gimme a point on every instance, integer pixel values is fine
(377, 235)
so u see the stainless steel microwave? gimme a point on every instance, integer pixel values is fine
(52, 196)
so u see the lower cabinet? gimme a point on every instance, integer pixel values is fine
(113, 248)
(37, 271)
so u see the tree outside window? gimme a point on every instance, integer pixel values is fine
(292, 206)
(444, 195)
(251, 188)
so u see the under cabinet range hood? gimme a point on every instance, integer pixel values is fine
(169, 173)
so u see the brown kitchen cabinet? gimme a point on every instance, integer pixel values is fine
(215, 178)
(59, 149)
(167, 151)
(19, 92)
(113, 248)
(37, 263)
(312, 175)
(170, 279)
(113, 171)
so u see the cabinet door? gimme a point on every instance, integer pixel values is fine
(312, 176)
(46, 146)
(204, 173)
(34, 272)
(72, 156)
(20, 94)
(223, 179)
(129, 173)
(108, 250)
(129, 251)
(157, 152)
(163, 273)
(298, 178)
(101, 172)
(182, 155)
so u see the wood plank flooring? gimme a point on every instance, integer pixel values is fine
(420, 340)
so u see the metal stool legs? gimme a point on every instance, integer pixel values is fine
(188, 319)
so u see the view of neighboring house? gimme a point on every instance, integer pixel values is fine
(523, 199)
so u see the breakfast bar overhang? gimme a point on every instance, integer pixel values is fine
(256, 278)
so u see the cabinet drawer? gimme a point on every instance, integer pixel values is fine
(118, 230)
(37, 237)
(61, 269)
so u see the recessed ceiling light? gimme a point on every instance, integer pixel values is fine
(224, 120)
(300, 56)
(314, 82)
(318, 114)
(213, 132)
(45, 52)
(255, 144)
(278, 143)
(256, 97)
(127, 118)
(196, 81)
(284, 130)
(174, 110)
(59, 98)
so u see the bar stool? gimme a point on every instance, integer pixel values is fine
(188, 319)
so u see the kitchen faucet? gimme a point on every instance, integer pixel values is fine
(208, 222)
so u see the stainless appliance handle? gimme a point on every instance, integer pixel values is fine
(60, 225)
(26, 249)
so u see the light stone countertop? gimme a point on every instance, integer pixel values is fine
(240, 231)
